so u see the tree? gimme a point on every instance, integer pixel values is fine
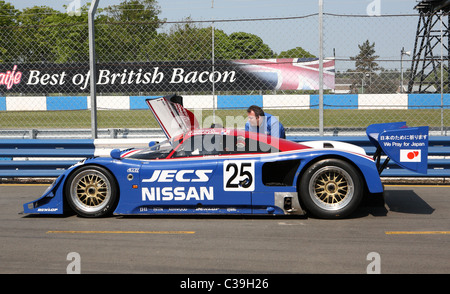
(366, 66)
(8, 14)
(186, 41)
(191, 41)
(248, 46)
(135, 11)
(124, 31)
(297, 52)
(143, 14)
(34, 34)
(365, 60)
(8, 20)
(130, 31)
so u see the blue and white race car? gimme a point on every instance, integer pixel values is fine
(229, 171)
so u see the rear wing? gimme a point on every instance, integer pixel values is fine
(406, 146)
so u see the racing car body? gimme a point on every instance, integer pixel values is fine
(216, 171)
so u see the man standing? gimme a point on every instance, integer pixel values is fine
(264, 123)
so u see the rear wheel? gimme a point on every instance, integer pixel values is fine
(331, 188)
(91, 191)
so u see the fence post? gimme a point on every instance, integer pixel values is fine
(442, 73)
(213, 63)
(321, 67)
(92, 68)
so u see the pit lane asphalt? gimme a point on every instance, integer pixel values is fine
(410, 234)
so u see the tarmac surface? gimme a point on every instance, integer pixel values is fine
(409, 234)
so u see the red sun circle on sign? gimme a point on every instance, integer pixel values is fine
(413, 154)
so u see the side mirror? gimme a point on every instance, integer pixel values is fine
(115, 154)
(153, 143)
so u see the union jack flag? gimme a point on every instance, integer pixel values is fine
(291, 73)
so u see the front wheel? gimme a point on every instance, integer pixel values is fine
(331, 188)
(91, 191)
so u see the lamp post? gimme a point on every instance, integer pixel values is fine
(402, 52)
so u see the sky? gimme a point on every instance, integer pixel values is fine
(342, 35)
(177, 9)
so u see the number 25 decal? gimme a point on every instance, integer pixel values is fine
(238, 175)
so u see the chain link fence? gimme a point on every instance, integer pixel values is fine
(220, 66)
(375, 62)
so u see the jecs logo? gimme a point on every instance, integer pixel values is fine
(410, 155)
(168, 176)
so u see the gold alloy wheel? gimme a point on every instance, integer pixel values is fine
(331, 188)
(90, 190)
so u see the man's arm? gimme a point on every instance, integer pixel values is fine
(274, 126)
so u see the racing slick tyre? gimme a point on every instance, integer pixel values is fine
(331, 189)
(91, 191)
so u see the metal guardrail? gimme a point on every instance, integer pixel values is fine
(29, 158)
(49, 158)
(112, 133)
(41, 158)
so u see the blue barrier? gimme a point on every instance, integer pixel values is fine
(35, 148)
(332, 101)
(72, 150)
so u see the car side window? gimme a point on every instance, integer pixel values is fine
(200, 145)
(217, 144)
(158, 151)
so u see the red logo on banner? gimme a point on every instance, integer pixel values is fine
(10, 78)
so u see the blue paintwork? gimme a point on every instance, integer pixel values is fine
(396, 140)
(259, 201)
(228, 184)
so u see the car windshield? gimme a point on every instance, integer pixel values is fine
(157, 151)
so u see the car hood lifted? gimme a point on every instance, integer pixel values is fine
(173, 118)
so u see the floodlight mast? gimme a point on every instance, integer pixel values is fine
(427, 62)
(427, 6)
(431, 32)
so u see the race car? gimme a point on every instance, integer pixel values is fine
(230, 171)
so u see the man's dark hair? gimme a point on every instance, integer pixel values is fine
(256, 109)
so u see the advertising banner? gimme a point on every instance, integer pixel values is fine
(167, 76)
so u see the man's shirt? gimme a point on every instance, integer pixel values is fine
(269, 126)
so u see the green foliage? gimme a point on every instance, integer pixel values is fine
(249, 46)
(8, 17)
(365, 60)
(128, 32)
(8, 14)
(297, 52)
(366, 75)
